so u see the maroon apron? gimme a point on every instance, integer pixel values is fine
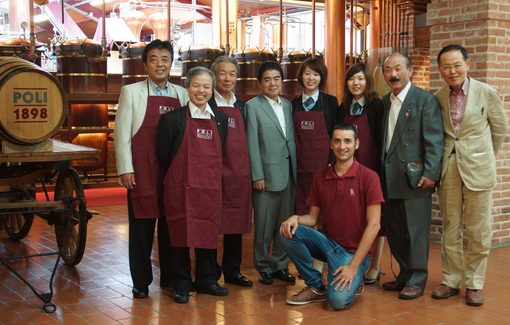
(148, 172)
(367, 153)
(236, 193)
(312, 149)
(193, 186)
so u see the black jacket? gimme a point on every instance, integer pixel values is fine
(238, 104)
(326, 103)
(375, 111)
(171, 129)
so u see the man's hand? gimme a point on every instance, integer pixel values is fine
(127, 180)
(259, 185)
(344, 277)
(426, 182)
(289, 226)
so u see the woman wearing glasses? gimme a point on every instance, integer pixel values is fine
(363, 108)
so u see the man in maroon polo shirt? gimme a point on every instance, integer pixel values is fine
(348, 197)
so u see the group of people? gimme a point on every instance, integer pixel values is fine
(322, 182)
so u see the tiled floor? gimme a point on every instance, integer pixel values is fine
(98, 290)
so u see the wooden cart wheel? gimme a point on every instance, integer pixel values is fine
(17, 225)
(71, 225)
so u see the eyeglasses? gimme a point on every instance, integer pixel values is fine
(450, 68)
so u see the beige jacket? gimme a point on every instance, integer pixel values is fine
(130, 116)
(481, 134)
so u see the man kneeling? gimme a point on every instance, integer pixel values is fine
(347, 196)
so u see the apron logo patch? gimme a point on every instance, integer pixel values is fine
(307, 125)
(165, 109)
(232, 122)
(204, 134)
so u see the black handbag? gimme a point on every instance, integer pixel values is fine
(414, 172)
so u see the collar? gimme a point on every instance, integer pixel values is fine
(351, 172)
(464, 89)
(273, 102)
(402, 95)
(194, 110)
(155, 88)
(221, 101)
(315, 96)
(360, 101)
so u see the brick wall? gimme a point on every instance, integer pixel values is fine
(420, 58)
(483, 27)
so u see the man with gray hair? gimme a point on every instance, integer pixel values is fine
(236, 185)
(189, 144)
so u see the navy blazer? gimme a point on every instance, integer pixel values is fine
(326, 103)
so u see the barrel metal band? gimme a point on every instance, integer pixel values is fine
(188, 61)
(77, 74)
(134, 76)
(292, 62)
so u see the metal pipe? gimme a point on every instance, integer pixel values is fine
(63, 4)
(351, 41)
(313, 28)
(169, 21)
(103, 39)
(280, 50)
(32, 28)
(227, 40)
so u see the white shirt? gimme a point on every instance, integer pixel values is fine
(315, 97)
(360, 101)
(396, 105)
(222, 102)
(197, 113)
(167, 90)
(278, 110)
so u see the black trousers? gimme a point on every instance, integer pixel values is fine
(205, 268)
(141, 238)
(232, 256)
(407, 226)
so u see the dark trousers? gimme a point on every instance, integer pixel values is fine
(407, 226)
(141, 238)
(232, 256)
(205, 268)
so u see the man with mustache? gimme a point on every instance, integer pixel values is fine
(410, 167)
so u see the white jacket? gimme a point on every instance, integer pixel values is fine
(129, 119)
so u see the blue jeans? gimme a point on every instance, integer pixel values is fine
(307, 243)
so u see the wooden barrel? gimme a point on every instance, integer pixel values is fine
(21, 48)
(249, 60)
(32, 102)
(197, 57)
(133, 69)
(80, 67)
(291, 61)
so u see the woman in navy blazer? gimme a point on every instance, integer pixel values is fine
(363, 108)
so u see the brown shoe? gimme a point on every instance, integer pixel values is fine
(393, 286)
(474, 297)
(409, 293)
(444, 291)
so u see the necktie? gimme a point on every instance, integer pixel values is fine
(356, 109)
(392, 118)
(308, 104)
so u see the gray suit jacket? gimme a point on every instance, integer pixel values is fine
(418, 136)
(268, 147)
(481, 134)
